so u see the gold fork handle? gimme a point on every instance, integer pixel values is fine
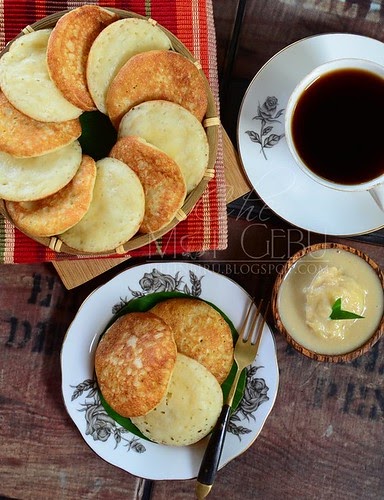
(211, 459)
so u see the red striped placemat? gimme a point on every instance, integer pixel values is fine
(192, 22)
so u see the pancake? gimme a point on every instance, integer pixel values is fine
(60, 211)
(28, 179)
(157, 74)
(116, 211)
(68, 48)
(200, 332)
(133, 363)
(174, 130)
(26, 83)
(188, 411)
(23, 136)
(117, 43)
(161, 177)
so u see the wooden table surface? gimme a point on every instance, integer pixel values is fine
(325, 435)
(323, 438)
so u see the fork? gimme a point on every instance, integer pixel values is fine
(245, 352)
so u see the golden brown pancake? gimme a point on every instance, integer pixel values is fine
(188, 410)
(134, 362)
(22, 136)
(161, 177)
(68, 48)
(117, 43)
(200, 332)
(60, 211)
(157, 74)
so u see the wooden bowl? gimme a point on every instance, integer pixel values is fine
(211, 124)
(321, 356)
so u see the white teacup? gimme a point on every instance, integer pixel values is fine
(334, 125)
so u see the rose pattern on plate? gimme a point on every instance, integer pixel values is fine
(267, 113)
(255, 394)
(101, 426)
(156, 281)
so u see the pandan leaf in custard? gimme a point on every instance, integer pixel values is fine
(339, 313)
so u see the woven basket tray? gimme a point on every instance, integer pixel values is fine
(211, 124)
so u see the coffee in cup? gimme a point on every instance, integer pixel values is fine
(333, 126)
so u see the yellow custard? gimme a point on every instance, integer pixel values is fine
(311, 287)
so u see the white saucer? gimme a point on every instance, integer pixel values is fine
(109, 439)
(275, 177)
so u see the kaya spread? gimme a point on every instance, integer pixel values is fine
(311, 288)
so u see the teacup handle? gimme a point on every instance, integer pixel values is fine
(377, 193)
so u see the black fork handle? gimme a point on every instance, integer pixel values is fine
(212, 455)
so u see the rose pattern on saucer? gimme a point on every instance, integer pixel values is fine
(267, 113)
(101, 426)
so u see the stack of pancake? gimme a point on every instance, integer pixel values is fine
(155, 98)
(164, 368)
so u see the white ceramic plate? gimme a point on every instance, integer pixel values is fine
(114, 443)
(268, 164)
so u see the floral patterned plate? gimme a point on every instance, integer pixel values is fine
(269, 166)
(106, 437)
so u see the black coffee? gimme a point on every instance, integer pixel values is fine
(338, 126)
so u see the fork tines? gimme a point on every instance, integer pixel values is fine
(253, 322)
